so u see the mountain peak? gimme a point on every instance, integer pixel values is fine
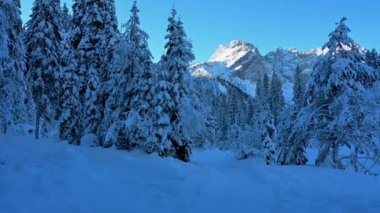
(233, 52)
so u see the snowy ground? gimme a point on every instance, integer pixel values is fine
(48, 176)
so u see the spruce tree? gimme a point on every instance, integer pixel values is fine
(66, 19)
(337, 102)
(262, 91)
(137, 91)
(12, 80)
(177, 57)
(276, 98)
(162, 105)
(91, 116)
(139, 62)
(107, 79)
(266, 88)
(69, 103)
(44, 46)
(6, 117)
(372, 58)
(292, 145)
(92, 39)
(292, 142)
(267, 140)
(299, 88)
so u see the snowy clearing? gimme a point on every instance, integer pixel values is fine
(48, 176)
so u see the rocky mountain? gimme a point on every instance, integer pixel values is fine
(241, 63)
(243, 58)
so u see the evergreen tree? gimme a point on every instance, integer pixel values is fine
(69, 103)
(66, 19)
(114, 89)
(44, 46)
(259, 88)
(299, 88)
(91, 116)
(163, 104)
(112, 38)
(266, 88)
(6, 117)
(12, 80)
(175, 61)
(262, 91)
(372, 58)
(93, 38)
(3, 37)
(338, 107)
(292, 143)
(233, 112)
(267, 140)
(139, 62)
(276, 98)
(137, 89)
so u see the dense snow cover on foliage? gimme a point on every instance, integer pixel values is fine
(49, 176)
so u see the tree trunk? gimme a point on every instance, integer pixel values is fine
(37, 131)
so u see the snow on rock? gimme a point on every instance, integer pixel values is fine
(219, 70)
(233, 53)
(209, 69)
(50, 176)
(242, 64)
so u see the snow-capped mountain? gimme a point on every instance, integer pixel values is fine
(242, 62)
(242, 58)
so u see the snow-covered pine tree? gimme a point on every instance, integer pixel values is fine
(111, 39)
(266, 88)
(259, 87)
(262, 91)
(139, 62)
(12, 80)
(292, 145)
(234, 115)
(69, 120)
(176, 60)
(3, 37)
(66, 19)
(162, 105)
(339, 112)
(44, 46)
(114, 88)
(276, 98)
(267, 140)
(92, 39)
(6, 117)
(292, 141)
(372, 58)
(299, 88)
(91, 116)
(137, 89)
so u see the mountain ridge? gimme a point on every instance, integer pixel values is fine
(240, 61)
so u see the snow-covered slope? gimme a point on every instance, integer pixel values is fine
(48, 176)
(233, 53)
(219, 71)
(243, 59)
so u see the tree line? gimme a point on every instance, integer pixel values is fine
(79, 74)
